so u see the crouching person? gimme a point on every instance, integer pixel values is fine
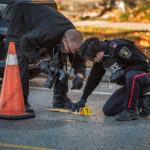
(128, 67)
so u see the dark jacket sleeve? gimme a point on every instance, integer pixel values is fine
(38, 26)
(78, 63)
(133, 58)
(95, 77)
(28, 44)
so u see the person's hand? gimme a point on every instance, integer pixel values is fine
(44, 66)
(77, 83)
(78, 105)
(115, 76)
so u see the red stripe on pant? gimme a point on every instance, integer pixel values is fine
(133, 88)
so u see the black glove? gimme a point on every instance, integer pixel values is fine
(44, 66)
(77, 83)
(78, 105)
(115, 76)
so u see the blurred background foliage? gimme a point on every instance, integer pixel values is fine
(141, 38)
(110, 10)
(113, 11)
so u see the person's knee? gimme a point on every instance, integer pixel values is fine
(107, 111)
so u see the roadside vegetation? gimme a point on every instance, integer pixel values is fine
(141, 38)
(126, 13)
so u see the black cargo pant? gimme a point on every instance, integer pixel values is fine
(130, 95)
(60, 90)
(23, 65)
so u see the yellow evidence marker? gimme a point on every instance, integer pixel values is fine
(85, 111)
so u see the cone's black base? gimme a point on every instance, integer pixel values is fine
(17, 117)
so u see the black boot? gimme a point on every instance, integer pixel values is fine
(67, 102)
(58, 101)
(62, 101)
(146, 106)
(28, 108)
(60, 98)
(127, 115)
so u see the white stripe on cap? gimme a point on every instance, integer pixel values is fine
(11, 59)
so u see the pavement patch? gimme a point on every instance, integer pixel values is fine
(35, 124)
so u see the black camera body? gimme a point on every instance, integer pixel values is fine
(49, 82)
(54, 73)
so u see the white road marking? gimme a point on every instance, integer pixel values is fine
(95, 92)
(73, 91)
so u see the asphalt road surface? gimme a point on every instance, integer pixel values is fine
(65, 131)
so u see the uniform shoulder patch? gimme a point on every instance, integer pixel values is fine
(125, 52)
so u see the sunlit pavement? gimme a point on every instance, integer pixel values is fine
(64, 131)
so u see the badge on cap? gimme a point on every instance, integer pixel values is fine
(125, 52)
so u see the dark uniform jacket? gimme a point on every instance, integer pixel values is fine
(38, 26)
(120, 54)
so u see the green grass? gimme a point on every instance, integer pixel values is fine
(144, 6)
(147, 16)
(124, 16)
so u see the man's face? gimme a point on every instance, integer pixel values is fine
(73, 48)
(99, 56)
(70, 48)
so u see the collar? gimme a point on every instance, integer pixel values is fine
(62, 48)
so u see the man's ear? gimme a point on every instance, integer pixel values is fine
(65, 44)
(64, 40)
(100, 54)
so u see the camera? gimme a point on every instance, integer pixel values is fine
(56, 73)
(49, 82)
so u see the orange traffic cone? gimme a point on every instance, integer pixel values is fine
(11, 98)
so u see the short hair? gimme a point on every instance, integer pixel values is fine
(91, 47)
(74, 36)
